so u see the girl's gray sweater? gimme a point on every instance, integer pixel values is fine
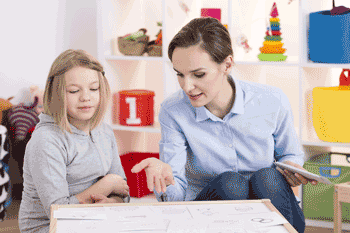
(58, 165)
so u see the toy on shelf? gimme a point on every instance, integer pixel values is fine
(134, 43)
(155, 46)
(24, 115)
(329, 113)
(184, 6)
(344, 81)
(211, 12)
(339, 10)
(4, 105)
(272, 47)
(5, 197)
(136, 35)
(243, 42)
(133, 107)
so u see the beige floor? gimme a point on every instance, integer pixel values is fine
(10, 225)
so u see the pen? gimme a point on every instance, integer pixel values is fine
(164, 197)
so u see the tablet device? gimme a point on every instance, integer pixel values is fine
(307, 174)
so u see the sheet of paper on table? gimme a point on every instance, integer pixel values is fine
(253, 223)
(93, 226)
(206, 218)
(93, 213)
(213, 211)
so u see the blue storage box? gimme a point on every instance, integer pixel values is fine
(329, 37)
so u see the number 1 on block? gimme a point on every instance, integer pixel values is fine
(132, 120)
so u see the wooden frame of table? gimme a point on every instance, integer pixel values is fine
(341, 194)
(267, 202)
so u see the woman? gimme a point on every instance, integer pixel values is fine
(220, 135)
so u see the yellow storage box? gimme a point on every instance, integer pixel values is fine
(331, 113)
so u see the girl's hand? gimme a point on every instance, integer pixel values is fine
(159, 174)
(120, 186)
(295, 179)
(100, 198)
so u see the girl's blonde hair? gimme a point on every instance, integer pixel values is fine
(55, 91)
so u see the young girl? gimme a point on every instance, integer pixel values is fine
(220, 135)
(72, 156)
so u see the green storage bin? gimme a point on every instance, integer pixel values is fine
(318, 199)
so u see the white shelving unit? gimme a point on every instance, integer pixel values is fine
(297, 76)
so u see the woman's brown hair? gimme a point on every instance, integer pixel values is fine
(209, 33)
(55, 92)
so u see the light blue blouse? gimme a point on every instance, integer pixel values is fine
(258, 130)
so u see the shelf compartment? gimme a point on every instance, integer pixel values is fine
(311, 78)
(251, 18)
(119, 18)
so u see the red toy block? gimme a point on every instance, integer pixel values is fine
(211, 12)
(137, 181)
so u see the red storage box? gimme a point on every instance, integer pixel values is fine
(137, 181)
(135, 107)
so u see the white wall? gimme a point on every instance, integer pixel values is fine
(35, 32)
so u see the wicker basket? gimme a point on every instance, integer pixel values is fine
(154, 50)
(133, 47)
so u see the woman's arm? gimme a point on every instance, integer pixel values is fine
(287, 146)
(167, 175)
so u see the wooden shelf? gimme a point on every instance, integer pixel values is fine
(155, 128)
(132, 58)
(311, 64)
(324, 144)
(324, 224)
(290, 61)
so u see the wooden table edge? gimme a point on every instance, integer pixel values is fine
(267, 202)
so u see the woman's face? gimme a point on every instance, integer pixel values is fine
(199, 76)
(82, 94)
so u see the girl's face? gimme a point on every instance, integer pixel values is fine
(82, 95)
(203, 80)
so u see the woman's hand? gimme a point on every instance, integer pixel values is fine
(295, 179)
(159, 174)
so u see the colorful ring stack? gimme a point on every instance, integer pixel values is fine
(272, 47)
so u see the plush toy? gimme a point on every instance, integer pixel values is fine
(26, 97)
(24, 116)
(20, 120)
